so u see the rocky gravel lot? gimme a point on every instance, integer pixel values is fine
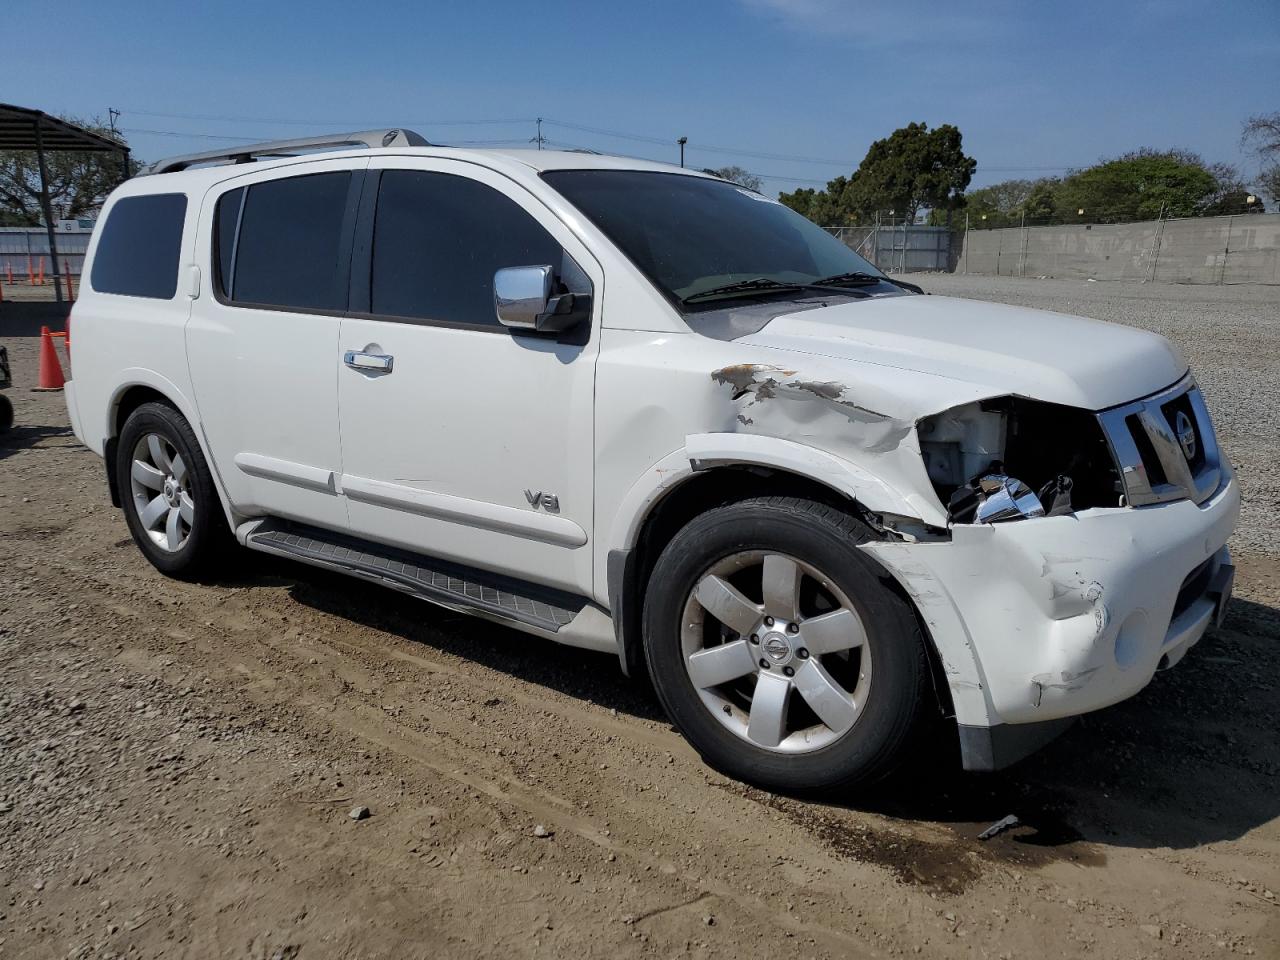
(182, 765)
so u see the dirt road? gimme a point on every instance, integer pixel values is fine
(179, 764)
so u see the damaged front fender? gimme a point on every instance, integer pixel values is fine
(821, 427)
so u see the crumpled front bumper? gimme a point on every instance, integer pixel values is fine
(1041, 620)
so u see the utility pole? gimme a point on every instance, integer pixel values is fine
(539, 138)
(112, 116)
(682, 141)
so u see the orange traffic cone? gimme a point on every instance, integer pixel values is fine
(50, 368)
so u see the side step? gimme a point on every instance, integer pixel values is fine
(449, 584)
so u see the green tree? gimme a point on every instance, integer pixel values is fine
(1138, 186)
(996, 205)
(1041, 203)
(739, 176)
(823, 207)
(78, 181)
(911, 169)
(801, 201)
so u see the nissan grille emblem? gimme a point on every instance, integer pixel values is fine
(1186, 435)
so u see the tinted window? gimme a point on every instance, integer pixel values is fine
(138, 251)
(287, 253)
(439, 239)
(690, 234)
(224, 226)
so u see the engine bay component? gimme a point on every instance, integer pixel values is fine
(1058, 454)
(994, 498)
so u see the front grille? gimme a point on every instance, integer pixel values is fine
(1146, 452)
(1156, 463)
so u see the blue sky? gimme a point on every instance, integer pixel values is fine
(774, 85)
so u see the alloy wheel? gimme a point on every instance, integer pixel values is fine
(777, 653)
(161, 492)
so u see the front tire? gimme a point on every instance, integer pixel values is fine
(170, 502)
(780, 652)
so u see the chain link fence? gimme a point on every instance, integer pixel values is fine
(896, 246)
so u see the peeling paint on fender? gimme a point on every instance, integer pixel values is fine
(758, 383)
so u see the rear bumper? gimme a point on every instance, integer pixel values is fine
(73, 412)
(1041, 620)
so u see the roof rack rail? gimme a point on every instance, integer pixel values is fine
(394, 137)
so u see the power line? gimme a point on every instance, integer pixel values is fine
(323, 123)
(541, 139)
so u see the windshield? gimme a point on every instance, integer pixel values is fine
(691, 235)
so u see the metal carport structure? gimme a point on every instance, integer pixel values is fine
(22, 128)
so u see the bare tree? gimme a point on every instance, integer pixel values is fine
(78, 181)
(1261, 136)
(739, 176)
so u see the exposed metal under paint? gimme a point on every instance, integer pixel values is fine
(757, 383)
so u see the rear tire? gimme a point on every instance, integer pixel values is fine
(170, 502)
(780, 652)
(6, 414)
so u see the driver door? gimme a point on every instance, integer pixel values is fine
(460, 438)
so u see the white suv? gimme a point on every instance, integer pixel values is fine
(642, 410)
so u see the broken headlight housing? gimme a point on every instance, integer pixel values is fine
(1010, 458)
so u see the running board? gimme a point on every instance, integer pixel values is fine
(448, 584)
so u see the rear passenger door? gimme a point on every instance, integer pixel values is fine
(475, 443)
(263, 336)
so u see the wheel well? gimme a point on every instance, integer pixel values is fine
(705, 491)
(629, 571)
(129, 401)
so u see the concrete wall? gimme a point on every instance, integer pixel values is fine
(1240, 249)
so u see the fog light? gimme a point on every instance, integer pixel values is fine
(1132, 640)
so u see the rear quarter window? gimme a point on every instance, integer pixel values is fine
(138, 252)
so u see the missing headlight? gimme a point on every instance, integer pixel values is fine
(1057, 452)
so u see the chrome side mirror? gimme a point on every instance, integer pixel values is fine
(524, 298)
(521, 295)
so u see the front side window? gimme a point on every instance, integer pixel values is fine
(438, 239)
(689, 234)
(287, 249)
(138, 252)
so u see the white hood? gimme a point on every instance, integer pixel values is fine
(1003, 349)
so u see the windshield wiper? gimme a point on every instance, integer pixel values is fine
(764, 285)
(862, 278)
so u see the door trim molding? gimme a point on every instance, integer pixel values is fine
(286, 471)
(474, 513)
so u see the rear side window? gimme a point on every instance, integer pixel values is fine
(137, 254)
(226, 222)
(438, 239)
(287, 252)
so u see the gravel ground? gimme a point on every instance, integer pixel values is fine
(1231, 337)
(179, 765)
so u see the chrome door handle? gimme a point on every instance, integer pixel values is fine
(375, 362)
